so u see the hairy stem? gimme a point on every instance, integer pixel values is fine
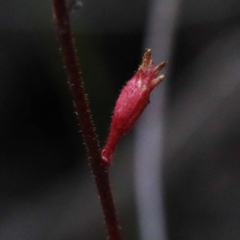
(99, 171)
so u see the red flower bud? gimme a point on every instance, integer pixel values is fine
(131, 102)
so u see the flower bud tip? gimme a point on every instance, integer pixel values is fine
(160, 66)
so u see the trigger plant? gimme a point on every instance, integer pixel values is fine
(130, 104)
(132, 101)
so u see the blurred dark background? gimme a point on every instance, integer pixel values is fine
(46, 188)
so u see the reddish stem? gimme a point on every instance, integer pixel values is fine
(99, 171)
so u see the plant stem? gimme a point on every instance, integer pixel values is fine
(99, 170)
